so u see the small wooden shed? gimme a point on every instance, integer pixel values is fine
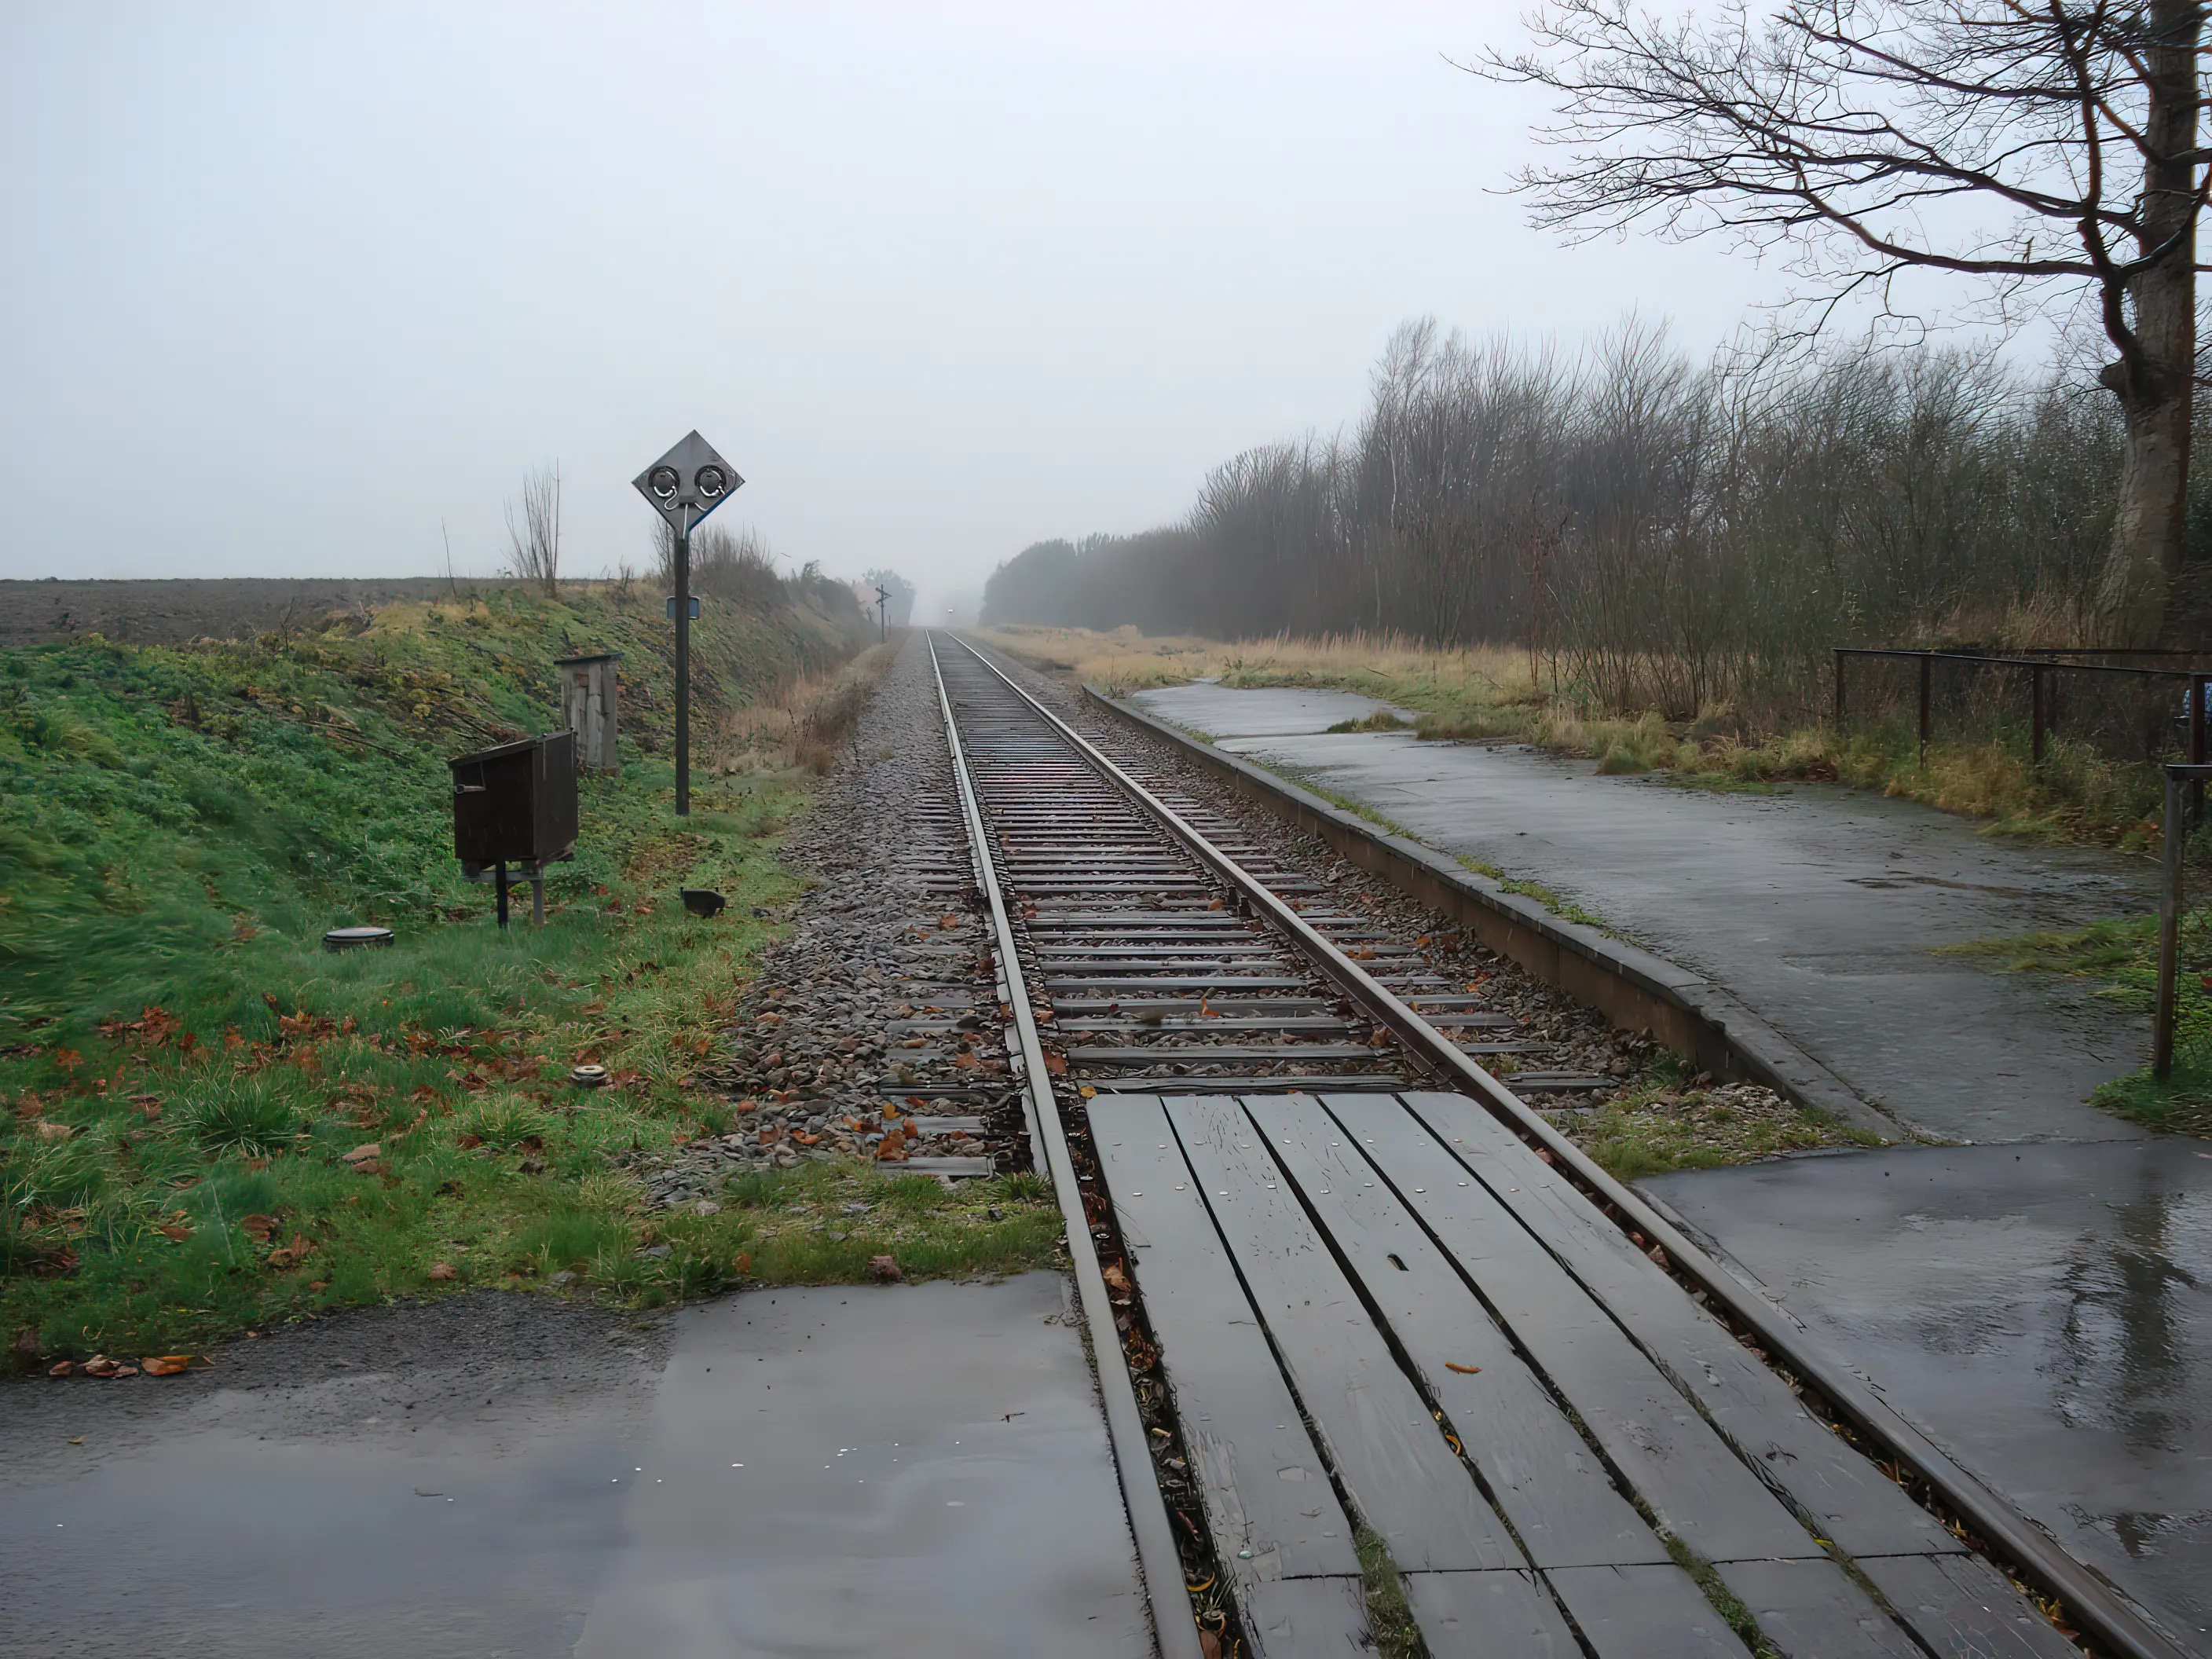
(587, 708)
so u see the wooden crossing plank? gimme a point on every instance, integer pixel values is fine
(1380, 1436)
(1549, 1484)
(1238, 1420)
(1846, 1496)
(1505, 1613)
(1307, 1618)
(1645, 1612)
(1812, 1610)
(1963, 1608)
(1670, 1455)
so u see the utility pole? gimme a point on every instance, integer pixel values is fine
(882, 611)
(683, 486)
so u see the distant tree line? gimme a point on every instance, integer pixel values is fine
(1664, 535)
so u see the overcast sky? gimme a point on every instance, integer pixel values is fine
(288, 287)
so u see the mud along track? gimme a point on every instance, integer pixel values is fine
(1558, 1417)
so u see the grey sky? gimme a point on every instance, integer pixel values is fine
(286, 285)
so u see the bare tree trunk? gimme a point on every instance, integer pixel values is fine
(2153, 377)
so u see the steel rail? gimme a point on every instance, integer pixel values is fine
(2096, 1607)
(1159, 1564)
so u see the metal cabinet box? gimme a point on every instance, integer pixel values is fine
(516, 803)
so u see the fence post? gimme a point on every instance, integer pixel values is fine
(2172, 840)
(2196, 746)
(2036, 675)
(1927, 666)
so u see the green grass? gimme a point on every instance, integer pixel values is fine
(184, 1070)
(2119, 956)
(1390, 1623)
(1668, 1122)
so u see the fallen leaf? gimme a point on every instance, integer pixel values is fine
(1209, 1644)
(1055, 1063)
(1216, 905)
(257, 1227)
(49, 1130)
(166, 1365)
(291, 1255)
(1464, 1371)
(891, 1149)
(885, 1269)
(1115, 1278)
(101, 1366)
(743, 1265)
(443, 1271)
(175, 1233)
(804, 1138)
(948, 921)
(60, 1367)
(364, 1154)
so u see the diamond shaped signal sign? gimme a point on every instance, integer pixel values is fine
(688, 482)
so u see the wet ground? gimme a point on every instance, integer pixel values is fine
(918, 1470)
(2045, 1312)
(1821, 907)
(2040, 1303)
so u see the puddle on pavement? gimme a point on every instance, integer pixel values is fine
(918, 1470)
(2044, 1311)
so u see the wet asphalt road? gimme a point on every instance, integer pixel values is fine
(915, 1470)
(2040, 1302)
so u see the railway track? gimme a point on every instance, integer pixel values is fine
(1366, 1299)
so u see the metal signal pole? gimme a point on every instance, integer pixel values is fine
(882, 611)
(683, 486)
(683, 663)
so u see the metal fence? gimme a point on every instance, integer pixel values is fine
(2127, 710)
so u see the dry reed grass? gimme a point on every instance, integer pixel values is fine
(803, 719)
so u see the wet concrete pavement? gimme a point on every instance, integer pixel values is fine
(2040, 1303)
(2044, 1312)
(1820, 908)
(838, 1471)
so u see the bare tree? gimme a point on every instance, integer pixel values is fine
(534, 544)
(2038, 145)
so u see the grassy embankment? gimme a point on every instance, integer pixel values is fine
(2075, 795)
(208, 1123)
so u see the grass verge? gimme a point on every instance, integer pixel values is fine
(2119, 957)
(1670, 1121)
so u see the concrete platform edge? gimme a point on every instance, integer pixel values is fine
(1694, 1018)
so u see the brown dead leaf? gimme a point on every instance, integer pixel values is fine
(258, 1227)
(1209, 1645)
(166, 1365)
(1464, 1371)
(1115, 1279)
(1216, 905)
(948, 921)
(364, 1153)
(891, 1149)
(885, 1269)
(61, 1368)
(743, 1265)
(291, 1255)
(101, 1366)
(443, 1272)
(175, 1231)
(1055, 1063)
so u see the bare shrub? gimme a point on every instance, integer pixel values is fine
(534, 543)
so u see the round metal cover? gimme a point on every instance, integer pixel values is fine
(347, 938)
(589, 1076)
